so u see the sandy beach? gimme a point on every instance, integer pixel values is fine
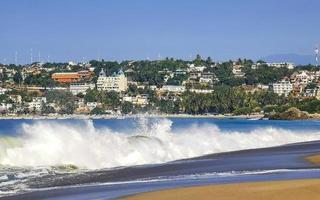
(308, 189)
(315, 159)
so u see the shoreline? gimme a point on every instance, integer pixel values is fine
(110, 116)
(270, 190)
(115, 116)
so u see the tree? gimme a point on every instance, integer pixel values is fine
(17, 78)
(109, 66)
(209, 61)
(42, 79)
(265, 74)
(198, 60)
(132, 89)
(311, 85)
(65, 100)
(3, 98)
(97, 111)
(169, 106)
(309, 105)
(80, 95)
(68, 108)
(91, 95)
(45, 109)
(177, 80)
(111, 100)
(243, 111)
(127, 107)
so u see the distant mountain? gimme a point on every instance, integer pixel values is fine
(295, 58)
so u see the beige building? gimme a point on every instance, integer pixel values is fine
(117, 82)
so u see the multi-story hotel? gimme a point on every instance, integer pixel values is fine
(117, 82)
(283, 87)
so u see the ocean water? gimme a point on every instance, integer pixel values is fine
(36, 155)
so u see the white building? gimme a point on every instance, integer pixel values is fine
(4, 90)
(304, 77)
(312, 93)
(283, 87)
(194, 75)
(153, 87)
(192, 68)
(16, 98)
(5, 106)
(80, 103)
(237, 71)
(117, 82)
(173, 88)
(80, 88)
(180, 72)
(317, 74)
(262, 86)
(72, 63)
(202, 91)
(282, 64)
(208, 78)
(37, 103)
(92, 105)
(141, 100)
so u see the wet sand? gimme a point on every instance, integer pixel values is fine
(315, 159)
(308, 189)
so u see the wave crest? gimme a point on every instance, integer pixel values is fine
(52, 144)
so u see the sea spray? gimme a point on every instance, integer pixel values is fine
(8, 142)
(48, 143)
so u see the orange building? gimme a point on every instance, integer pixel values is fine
(71, 77)
(85, 75)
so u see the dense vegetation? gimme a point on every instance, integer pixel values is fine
(228, 97)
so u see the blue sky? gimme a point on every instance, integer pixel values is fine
(139, 29)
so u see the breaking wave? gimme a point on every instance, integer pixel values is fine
(47, 143)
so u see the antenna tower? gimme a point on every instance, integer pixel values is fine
(31, 56)
(316, 51)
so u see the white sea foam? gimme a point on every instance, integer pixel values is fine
(47, 143)
(198, 176)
